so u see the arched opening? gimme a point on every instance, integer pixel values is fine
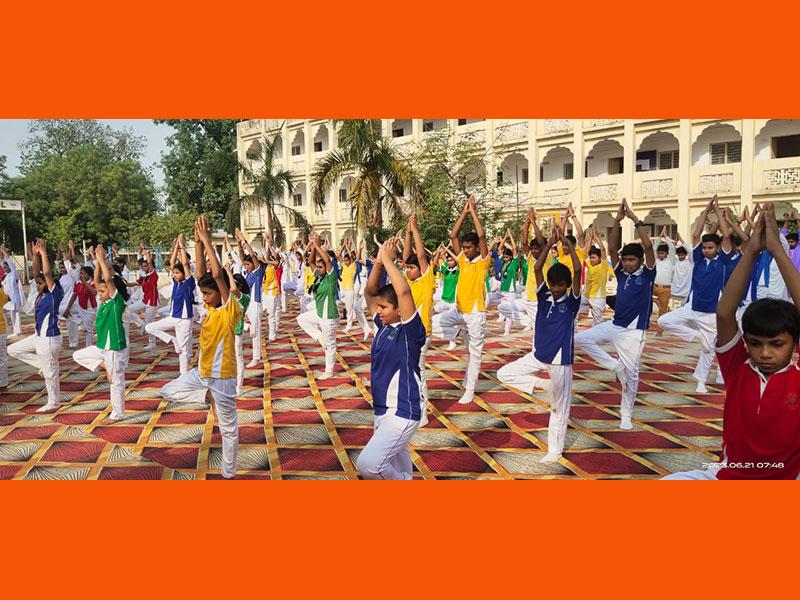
(401, 128)
(606, 157)
(254, 150)
(298, 145)
(299, 195)
(717, 144)
(321, 143)
(557, 164)
(779, 138)
(429, 125)
(657, 151)
(513, 170)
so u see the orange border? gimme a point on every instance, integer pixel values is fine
(438, 539)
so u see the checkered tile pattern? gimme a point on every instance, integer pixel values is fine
(295, 427)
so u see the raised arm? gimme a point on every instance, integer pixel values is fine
(405, 301)
(791, 276)
(697, 232)
(419, 247)
(174, 254)
(478, 227)
(374, 283)
(199, 253)
(599, 242)
(46, 270)
(615, 235)
(724, 228)
(644, 235)
(457, 227)
(322, 254)
(734, 290)
(579, 232)
(216, 268)
(543, 256)
(569, 249)
(108, 273)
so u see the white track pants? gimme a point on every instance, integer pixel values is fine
(595, 307)
(354, 305)
(473, 327)
(386, 455)
(41, 352)
(324, 332)
(80, 316)
(628, 344)
(183, 334)
(3, 361)
(253, 317)
(150, 313)
(239, 345)
(272, 307)
(525, 374)
(91, 357)
(190, 387)
(688, 324)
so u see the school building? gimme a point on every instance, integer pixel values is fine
(666, 168)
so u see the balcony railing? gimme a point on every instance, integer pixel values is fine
(779, 174)
(657, 184)
(513, 132)
(557, 126)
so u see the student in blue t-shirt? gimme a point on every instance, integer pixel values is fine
(558, 304)
(41, 349)
(181, 307)
(254, 274)
(397, 394)
(711, 269)
(635, 269)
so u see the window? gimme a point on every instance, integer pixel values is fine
(668, 160)
(342, 195)
(317, 146)
(568, 170)
(427, 126)
(462, 121)
(726, 152)
(616, 165)
(398, 132)
(252, 155)
(295, 150)
(500, 178)
(297, 199)
(646, 160)
(786, 146)
(524, 175)
(541, 173)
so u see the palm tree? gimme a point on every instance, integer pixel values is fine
(268, 187)
(378, 171)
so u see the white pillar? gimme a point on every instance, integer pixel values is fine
(684, 176)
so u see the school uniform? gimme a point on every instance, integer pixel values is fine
(469, 315)
(180, 320)
(321, 322)
(509, 293)
(760, 421)
(422, 293)
(626, 332)
(554, 353)
(593, 299)
(149, 301)
(447, 290)
(665, 269)
(16, 294)
(244, 302)
(271, 300)
(82, 313)
(699, 316)
(111, 342)
(3, 338)
(255, 279)
(41, 349)
(398, 399)
(350, 298)
(681, 281)
(216, 372)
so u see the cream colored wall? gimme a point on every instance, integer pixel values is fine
(681, 192)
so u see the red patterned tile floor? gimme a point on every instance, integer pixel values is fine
(293, 427)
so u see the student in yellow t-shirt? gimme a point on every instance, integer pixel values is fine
(469, 315)
(214, 377)
(272, 286)
(527, 304)
(597, 272)
(419, 274)
(349, 272)
(578, 241)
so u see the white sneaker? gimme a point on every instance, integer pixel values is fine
(468, 397)
(424, 418)
(701, 388)
(625, 423)
(151, 346)
(323, 376)
(366, 334)
(550, 458)
(451, 345)
(47, 408)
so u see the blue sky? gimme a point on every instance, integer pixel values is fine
(13, 131)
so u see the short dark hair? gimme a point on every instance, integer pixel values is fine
(769, 317)
(471, 238)
(179, 265)
(572, 239)
(681, 250)
(632, 249)
(413, 260)
(208, 281)
(595, 251)
(241, 283)
(662, 248)
(248, 258)
(791, 236)
(711, 237)
(535, 243)
(89, 271)
(119, 260)
(736, 240)
(387, 293)
(508, 252)
(559, 273)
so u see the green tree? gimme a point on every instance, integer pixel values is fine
(201, 167)
(268, 188)
(93, 192)
(158, 230)
(379, 173)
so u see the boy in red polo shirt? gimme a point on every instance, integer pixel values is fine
(761, 421)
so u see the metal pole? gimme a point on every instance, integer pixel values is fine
(516, 180)
(25, 243)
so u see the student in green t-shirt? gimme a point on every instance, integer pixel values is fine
(448, 278)
(110, 332)
(321, 322)
(510, 276)
(241, 293)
